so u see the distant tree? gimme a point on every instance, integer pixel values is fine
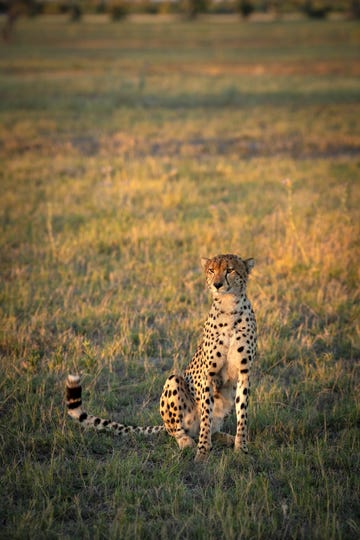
(15, 9)
(355, 8)
(100, 6)
(36, 8)
(75, 11)
(192, 8)
(118, 9)
(316, 10)
(244, 7)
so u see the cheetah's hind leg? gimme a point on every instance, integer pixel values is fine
(178, 411)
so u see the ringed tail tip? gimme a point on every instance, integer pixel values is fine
(73, 393)
(72, 380)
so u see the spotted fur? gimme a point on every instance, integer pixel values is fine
(75, 410)
(194, 404)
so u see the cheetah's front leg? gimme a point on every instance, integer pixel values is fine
(207, 406)
(241, 405)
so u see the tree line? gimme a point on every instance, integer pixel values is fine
(120, 9)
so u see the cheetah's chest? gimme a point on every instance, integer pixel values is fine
(226, 348)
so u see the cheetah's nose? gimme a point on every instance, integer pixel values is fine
(217, 285)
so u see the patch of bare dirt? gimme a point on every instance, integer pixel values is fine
(130, 147)
(241, 147)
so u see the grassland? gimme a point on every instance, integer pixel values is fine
(127, 152)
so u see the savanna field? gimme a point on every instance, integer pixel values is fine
(127, 152)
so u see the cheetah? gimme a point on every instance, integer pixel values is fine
(194, 403)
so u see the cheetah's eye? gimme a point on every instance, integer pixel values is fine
(230, 270)
(210, 271)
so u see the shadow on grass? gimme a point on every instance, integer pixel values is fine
(31, 97)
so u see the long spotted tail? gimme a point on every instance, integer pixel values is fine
(75, 410)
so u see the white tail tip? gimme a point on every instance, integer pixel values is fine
(73, 379)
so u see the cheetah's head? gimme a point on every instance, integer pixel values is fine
(227, 274)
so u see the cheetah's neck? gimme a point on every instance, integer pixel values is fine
(229, 304)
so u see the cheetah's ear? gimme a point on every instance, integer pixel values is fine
(249, 263)
(204, 262)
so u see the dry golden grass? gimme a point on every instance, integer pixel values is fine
(127, 153)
